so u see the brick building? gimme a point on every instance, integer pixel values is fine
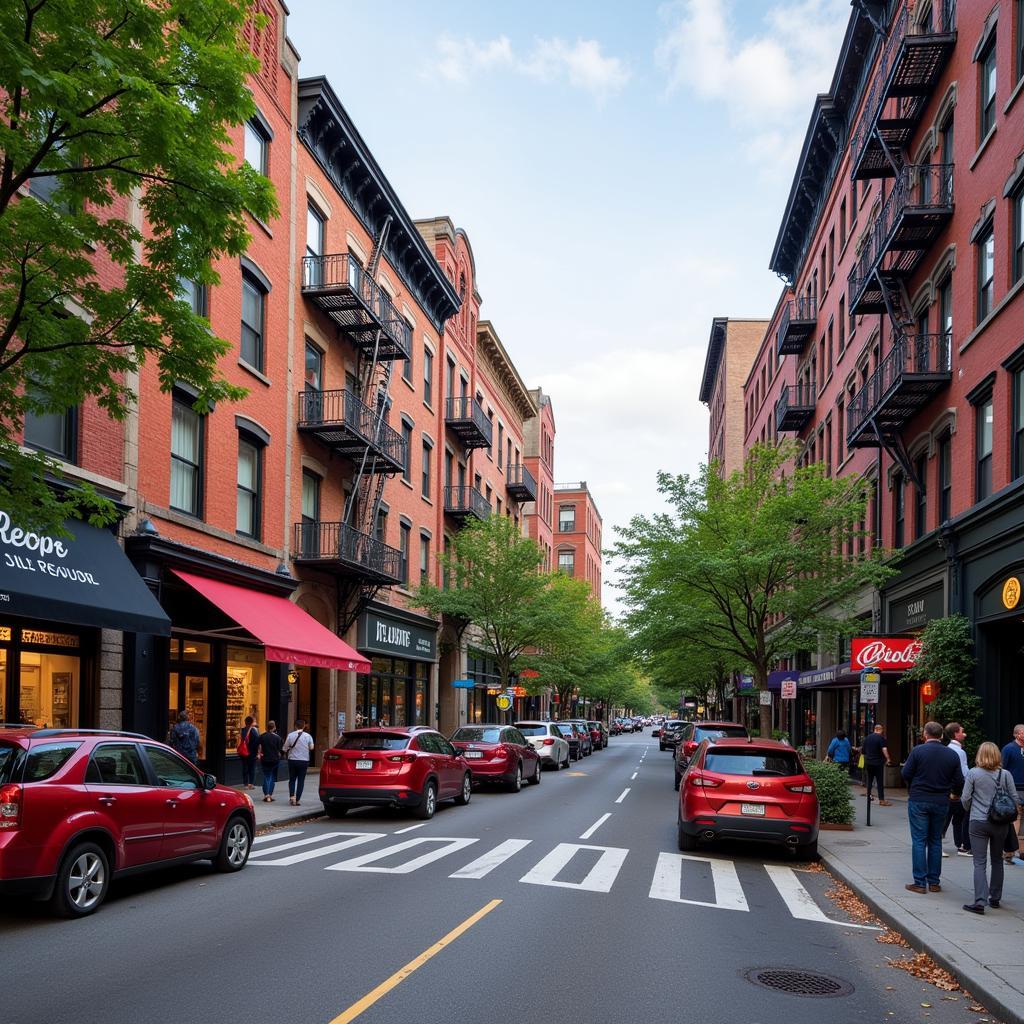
(539, 457)
(578, 537)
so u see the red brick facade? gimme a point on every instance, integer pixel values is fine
(578, 534)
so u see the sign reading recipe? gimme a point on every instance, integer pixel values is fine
(384, 634)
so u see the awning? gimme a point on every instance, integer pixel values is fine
(84, 580)
(288, 633)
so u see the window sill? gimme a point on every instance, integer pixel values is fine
(263, 226)
(407, 483)
(249, 368)
(981, 148)
(1017, 90)
(408, 383)
(983, 326)
(426, 500)
(824, 384)
(75, 472)
(428, 407)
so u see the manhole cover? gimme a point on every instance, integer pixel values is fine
(798, 983)
(851, 842)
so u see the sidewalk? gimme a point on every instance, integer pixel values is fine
(985, 954)
(280, 812)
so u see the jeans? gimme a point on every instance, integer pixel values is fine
(876, 774)
(248, 770)
(961, 832)
(269, 777)
(926, 821)
(987, 844)
(297, 778)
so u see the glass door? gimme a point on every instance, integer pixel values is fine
(191, 692)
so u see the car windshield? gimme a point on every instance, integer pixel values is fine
(674, 724)
(374, 741)
(11, 765)
(719, 732)
(473, 735)
(566, 729)
(532, 730)
(594, 725)
(751, 762)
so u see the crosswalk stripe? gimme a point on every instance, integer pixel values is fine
(272, 837)
(353, 839)
(600, 878)
(365, 862)
(493, 858)
(319, 837)
(668, 882)
(799, 901)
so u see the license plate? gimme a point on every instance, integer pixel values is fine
(752, 809)
(473, 753)
(364, 764)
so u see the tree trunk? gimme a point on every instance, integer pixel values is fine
(761, 679)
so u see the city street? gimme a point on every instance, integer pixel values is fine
(567, 900)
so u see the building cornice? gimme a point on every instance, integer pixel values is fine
(489, 346)
(713, 359)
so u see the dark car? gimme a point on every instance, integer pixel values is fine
(598, 735)
(572, 737)
(586, 741)
(669, 735)
(394, 767)
(694, 733)
(498, 753)
(81, 807)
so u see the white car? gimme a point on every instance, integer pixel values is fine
(546, 738)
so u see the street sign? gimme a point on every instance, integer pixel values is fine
(869, 681)
(463, 684)
(503, 702)
(766, 698)
(788, 689)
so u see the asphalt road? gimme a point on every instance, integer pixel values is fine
(573, 901)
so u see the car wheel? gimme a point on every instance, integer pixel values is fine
(517, 780)
(429, 802)
(535, 778)
(82, 881)
(466, 792)
(678, 779)
(808, 852)
(685, 841)
(565, 763)
(335, 810)
(234, 845)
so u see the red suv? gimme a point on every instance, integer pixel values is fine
(79, 807)
(498, 753)
(748, 789)
(403, 766)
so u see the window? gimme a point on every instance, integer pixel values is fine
(449, 462)
(946, 156)
(945, 477)
(171, 770)
(310, 513)
(946, 322)
(449, 380)
(566, 518)
(407, 450)
(853, 202)
(253, 303)
(1018, 423)
(257, 146)
(831, 253)
(567, 562)
(1019, 54)
(247, 517)
(985, 247)
(404, 531)
(314, 246)
(428, 376)
(987, 88)
(983, 449)
(1018, 230)
(186, 457)
(424, 557)
(314, 371)
(428, 449)
(407, 370)
(55, 433)
(116, 764)
(840, 428)
(842, 223)
(194, 294)
(842, 325)
(921, 507)
(501, 443)
(380, 529)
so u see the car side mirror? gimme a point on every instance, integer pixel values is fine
(209, 781)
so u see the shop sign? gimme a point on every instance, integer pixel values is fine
(46, 639)
(463, 684)
(746, 683)
(788, 689)
(818, 676)
(503, 702)
(888, 653)
(766, 698)
(382, 634)
(518, 691)
(916, 611)
(1011, 593)
(5, 633)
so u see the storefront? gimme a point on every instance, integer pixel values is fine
(402, 648)
(480, 706)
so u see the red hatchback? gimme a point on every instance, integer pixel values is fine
(402, 766)
(80, 807)
(748, 789)
(498, 753)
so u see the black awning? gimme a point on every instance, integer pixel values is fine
(85, 580)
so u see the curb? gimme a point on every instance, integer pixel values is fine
(291, 819)
(998, 996)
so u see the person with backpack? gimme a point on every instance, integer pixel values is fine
(297, 749)
(270, 758)
(990, 799)
(1013, 762)
(839, 750)
(184, 737)
(248, 750)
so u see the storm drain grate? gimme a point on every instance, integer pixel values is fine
(798, 983)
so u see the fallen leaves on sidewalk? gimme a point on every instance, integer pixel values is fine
(922, 966)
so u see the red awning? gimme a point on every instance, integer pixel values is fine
(288, 633)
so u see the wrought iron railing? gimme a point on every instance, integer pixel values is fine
(465, 499)
(341, 408)
(469, 410)
(520, 478)
(329, 542)
(803, 307)
(795, 396)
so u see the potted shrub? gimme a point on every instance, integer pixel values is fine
(832, 783)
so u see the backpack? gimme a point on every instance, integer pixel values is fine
(1003, 808)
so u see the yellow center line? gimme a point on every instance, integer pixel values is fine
(399, 976)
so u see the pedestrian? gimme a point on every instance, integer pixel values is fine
(1013, 762)
(248, 751)
(184, 737)
(957, 814)
(876, 757)
(270, 758)
(839, 750)
(297, 748)
(983, 781)
(931, 772)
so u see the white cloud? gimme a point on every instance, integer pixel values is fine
(582, 63)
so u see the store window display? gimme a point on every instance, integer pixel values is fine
(246, 691)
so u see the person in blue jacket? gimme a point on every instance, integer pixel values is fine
(839, 750)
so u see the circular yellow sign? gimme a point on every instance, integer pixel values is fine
(1011, 592)
(504, 702)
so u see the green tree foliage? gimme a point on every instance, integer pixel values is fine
(102, 101)
(747, 569)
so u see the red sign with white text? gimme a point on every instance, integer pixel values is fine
(889, 653)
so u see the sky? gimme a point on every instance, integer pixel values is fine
(621, 172)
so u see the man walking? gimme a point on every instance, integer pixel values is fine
(931, 772)
(184, 737)
(955, 735)
(1013, 762)
(876, 757)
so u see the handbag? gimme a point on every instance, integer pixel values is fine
(1003, 808)
(242, 750)
(860, 761)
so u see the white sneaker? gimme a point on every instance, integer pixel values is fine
(964, 853)
(944, 855)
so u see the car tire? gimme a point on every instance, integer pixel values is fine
(808, 852)
(679, 779)
(466, 793)
(428, 803)
(235, 845)
(684, 840)
(335, 810)
(82, 881)
(535, 778)
(517, 780)
(565, 763)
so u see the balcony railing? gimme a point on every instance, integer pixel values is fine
(465, 418)
(908, 70)
(520, 482)
(339, 420)
(464, 501)
(341, 548)
(914, 370)
(357, 304)
(795, 406)
(799, 318)
(912, 217)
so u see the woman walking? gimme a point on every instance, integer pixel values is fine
(270, 758)
(987, 779)
(248, 750)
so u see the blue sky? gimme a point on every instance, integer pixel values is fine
(620, 170)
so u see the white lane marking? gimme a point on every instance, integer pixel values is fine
(633, 776)
(365, 862)
(600, 878)
(668, 882)
(493, 858)
(799, 901)
(622, 796)
(597, 824)
(409, 828)
(354, 839)
(272, 837)
(273, 851)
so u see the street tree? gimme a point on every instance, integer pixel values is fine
(117, 185)
(751, 568)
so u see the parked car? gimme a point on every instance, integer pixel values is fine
(498, 753)
(669, 735)
(694, 733)
(614, 728)
(547, 739)
(582, 727)
(573, 738)
(625, 724)
(395, 766)
(80, 807)
(748, 789)
(598, 735)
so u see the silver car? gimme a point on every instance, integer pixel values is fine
(548, 741)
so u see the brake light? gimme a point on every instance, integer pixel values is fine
(696, 779)
(10, 805)
(805, 787)
(402, 758)
(549, 742)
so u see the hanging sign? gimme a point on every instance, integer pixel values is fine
(503, 702)
(788, 689)
(1011, 593)
(887, 653)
